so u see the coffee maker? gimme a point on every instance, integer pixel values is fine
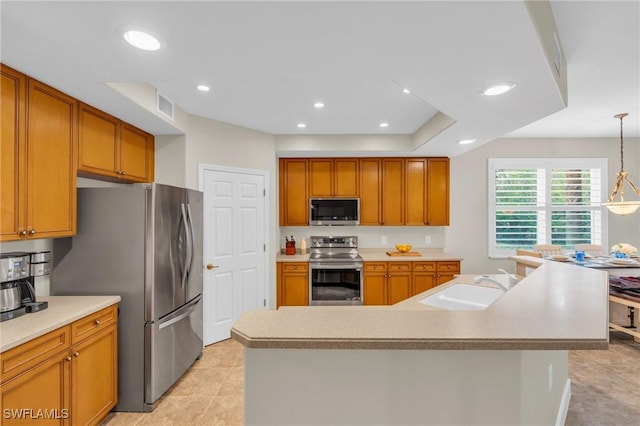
(17, 292)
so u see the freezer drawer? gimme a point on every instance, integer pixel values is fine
(172, 344)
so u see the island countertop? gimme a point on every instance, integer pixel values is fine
(62, 310)
(556, 307)
(380, 255)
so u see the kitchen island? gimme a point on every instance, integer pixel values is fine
(414, 364)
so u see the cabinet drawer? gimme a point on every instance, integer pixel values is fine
(93, 323)
(448, 266)
(375, 266)
(399, 266)
(26, 356)
(294, 267)
(424, 266)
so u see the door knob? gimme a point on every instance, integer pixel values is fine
(210, 266)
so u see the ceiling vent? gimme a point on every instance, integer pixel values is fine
(164, 106)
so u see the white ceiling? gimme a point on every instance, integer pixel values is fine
(268, 62)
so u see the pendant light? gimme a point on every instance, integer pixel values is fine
(622, 207)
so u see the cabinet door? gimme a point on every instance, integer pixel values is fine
(94, 377)
(137, 151)
(424, 276)
(45, 387)
(393, 191)
(415, 191)
(375, 288)
(370, 187)
(447, 271)
(99, 136)
(294, 201)
(12, 153)
(320, 178)
(399, 282)
(51, 162)
(438, 191)
(346, 177)
(294, 284)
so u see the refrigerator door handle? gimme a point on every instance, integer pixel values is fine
(190, 240)
(183, 257)
(188, 309)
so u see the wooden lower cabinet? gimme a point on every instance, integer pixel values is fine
(387, 283)
(50, 381)
(293, 283)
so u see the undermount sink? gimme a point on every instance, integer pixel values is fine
(462, 296)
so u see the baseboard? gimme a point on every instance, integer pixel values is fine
(564, 404)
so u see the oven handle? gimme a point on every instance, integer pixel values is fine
(335, 265)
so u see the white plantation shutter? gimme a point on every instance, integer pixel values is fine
(545, 201)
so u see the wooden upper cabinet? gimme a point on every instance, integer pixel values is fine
(13, 112)
(137, 152)
(393, 191)
(99, 140)
(111, 148)
(294, 199)
(333, 177)
(416, 191)
(370, 191)
(51, 162)
(438, 191)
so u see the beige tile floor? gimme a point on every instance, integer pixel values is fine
(605, 387)
(210, 393)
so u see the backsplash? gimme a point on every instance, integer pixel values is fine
(371, 236)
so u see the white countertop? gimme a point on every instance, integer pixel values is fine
(558, 306)
(62, 310)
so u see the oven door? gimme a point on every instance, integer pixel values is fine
(335, 283)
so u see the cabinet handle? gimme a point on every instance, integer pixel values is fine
(23, 233)
(76, 354)
(68, 358)
(295, 266)
(375, 266)
(32, 231)
(124, 173)
(97, 322)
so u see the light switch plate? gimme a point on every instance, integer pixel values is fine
(383, 240)
(427, 239)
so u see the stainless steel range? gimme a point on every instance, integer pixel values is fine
(336, 271)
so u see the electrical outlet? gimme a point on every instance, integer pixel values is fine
(427, 239)
(383, 240)
(550, 378)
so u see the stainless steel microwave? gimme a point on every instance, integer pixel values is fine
(334, 211)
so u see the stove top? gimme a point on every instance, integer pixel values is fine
(338, 249)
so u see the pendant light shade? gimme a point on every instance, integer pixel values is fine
(622, 207)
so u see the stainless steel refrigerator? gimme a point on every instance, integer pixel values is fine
(144, 243)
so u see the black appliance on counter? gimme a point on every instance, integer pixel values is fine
(17, 273)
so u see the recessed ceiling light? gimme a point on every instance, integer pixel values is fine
(466, 141)
(498, 89)
(203, 88)
(302, 125)
(384, 124)
(406, 91)
(318, 105)
(142, 40)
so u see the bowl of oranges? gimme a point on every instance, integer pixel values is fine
(403, 248)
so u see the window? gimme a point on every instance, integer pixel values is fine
(545, 201)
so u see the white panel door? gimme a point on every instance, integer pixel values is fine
(234, 248)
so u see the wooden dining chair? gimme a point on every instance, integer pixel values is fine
(525, 252)
(547, 249)
(592, 249)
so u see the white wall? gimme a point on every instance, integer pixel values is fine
(216, 143)
(467, 236)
